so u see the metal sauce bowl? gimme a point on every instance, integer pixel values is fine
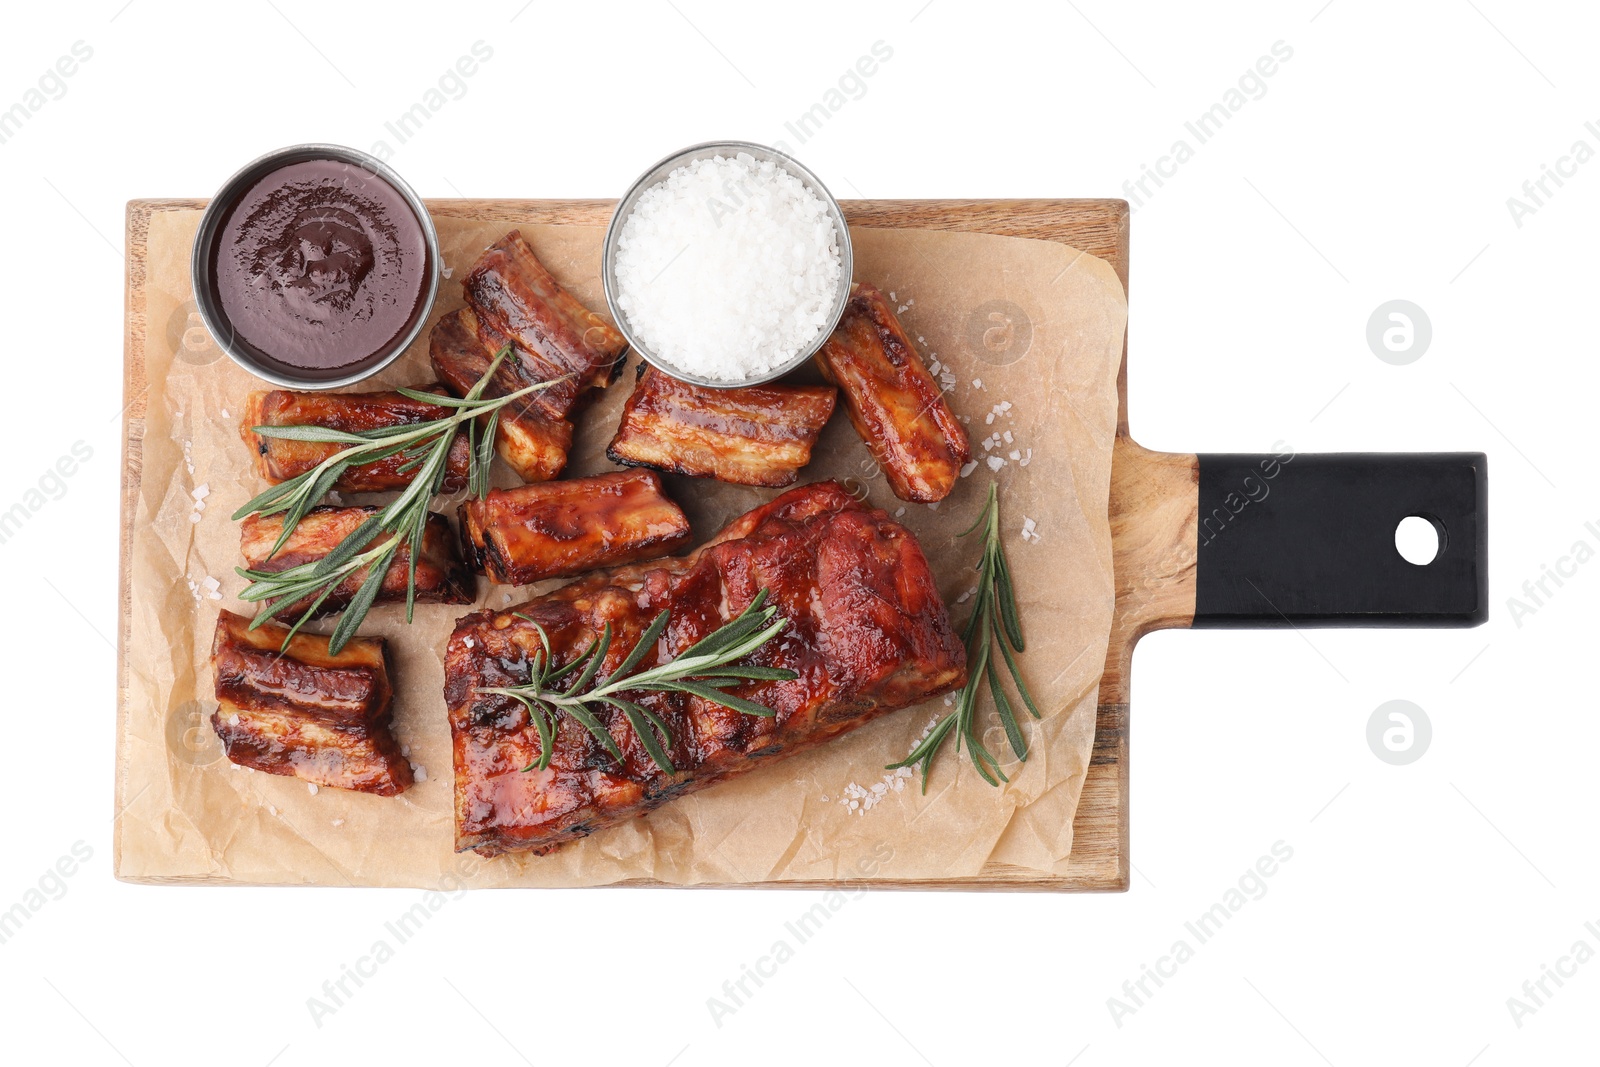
(657, 174)
(210, 305)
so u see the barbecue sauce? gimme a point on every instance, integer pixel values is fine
(321, 267)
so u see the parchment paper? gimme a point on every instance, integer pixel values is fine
(1035, 325)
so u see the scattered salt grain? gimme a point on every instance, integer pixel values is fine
(311, 787)
(728, 267)
(977, 383)
(859, 799)
(201, 491)
(968, 468)
(419, 772)
(1014, 454)
(272, 811)
(338, 822)
(194, 516)
(995, 463)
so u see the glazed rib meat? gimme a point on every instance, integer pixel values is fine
(442, 577)
(532, 441)
(278, 460)
(513, 292)
(893, 402)
(756, 435)
(320, 718)
(512, 298)
(559, 529)
(867, 634)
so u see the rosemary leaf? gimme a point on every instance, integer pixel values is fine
(436, 399)
(726, 635)
(363, 599)
(311, 434)
(541, 722)
(270, 501)
(1008, 601)
(645, 729)
(717, 696)
(646, 642)
(1008, 718)
(594, 656)
(1016, 678)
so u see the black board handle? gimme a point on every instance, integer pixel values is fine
(1309, 540)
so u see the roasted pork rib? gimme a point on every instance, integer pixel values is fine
(278, 460)
(756, 435)
(512, 298)
(442, 576)
(893, 402)
(532, 441)
(321, 718)
(867, 634)
(558, 529)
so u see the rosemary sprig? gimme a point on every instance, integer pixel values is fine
(993, 622)
(706, 669)
(424, 448)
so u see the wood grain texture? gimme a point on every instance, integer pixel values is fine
(1153, 498)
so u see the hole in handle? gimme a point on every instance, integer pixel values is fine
(1419, 539)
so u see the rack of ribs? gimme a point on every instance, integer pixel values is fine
(755, 435)
(512, 299)
(866, 634)
(442, 576)
(570, 527)
(321, 718)
(278, 459)
(892, 400)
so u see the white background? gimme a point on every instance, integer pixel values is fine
(1376, 166)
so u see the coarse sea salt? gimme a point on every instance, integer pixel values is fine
(728, 268)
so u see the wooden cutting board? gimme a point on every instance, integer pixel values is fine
(1165, 508)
